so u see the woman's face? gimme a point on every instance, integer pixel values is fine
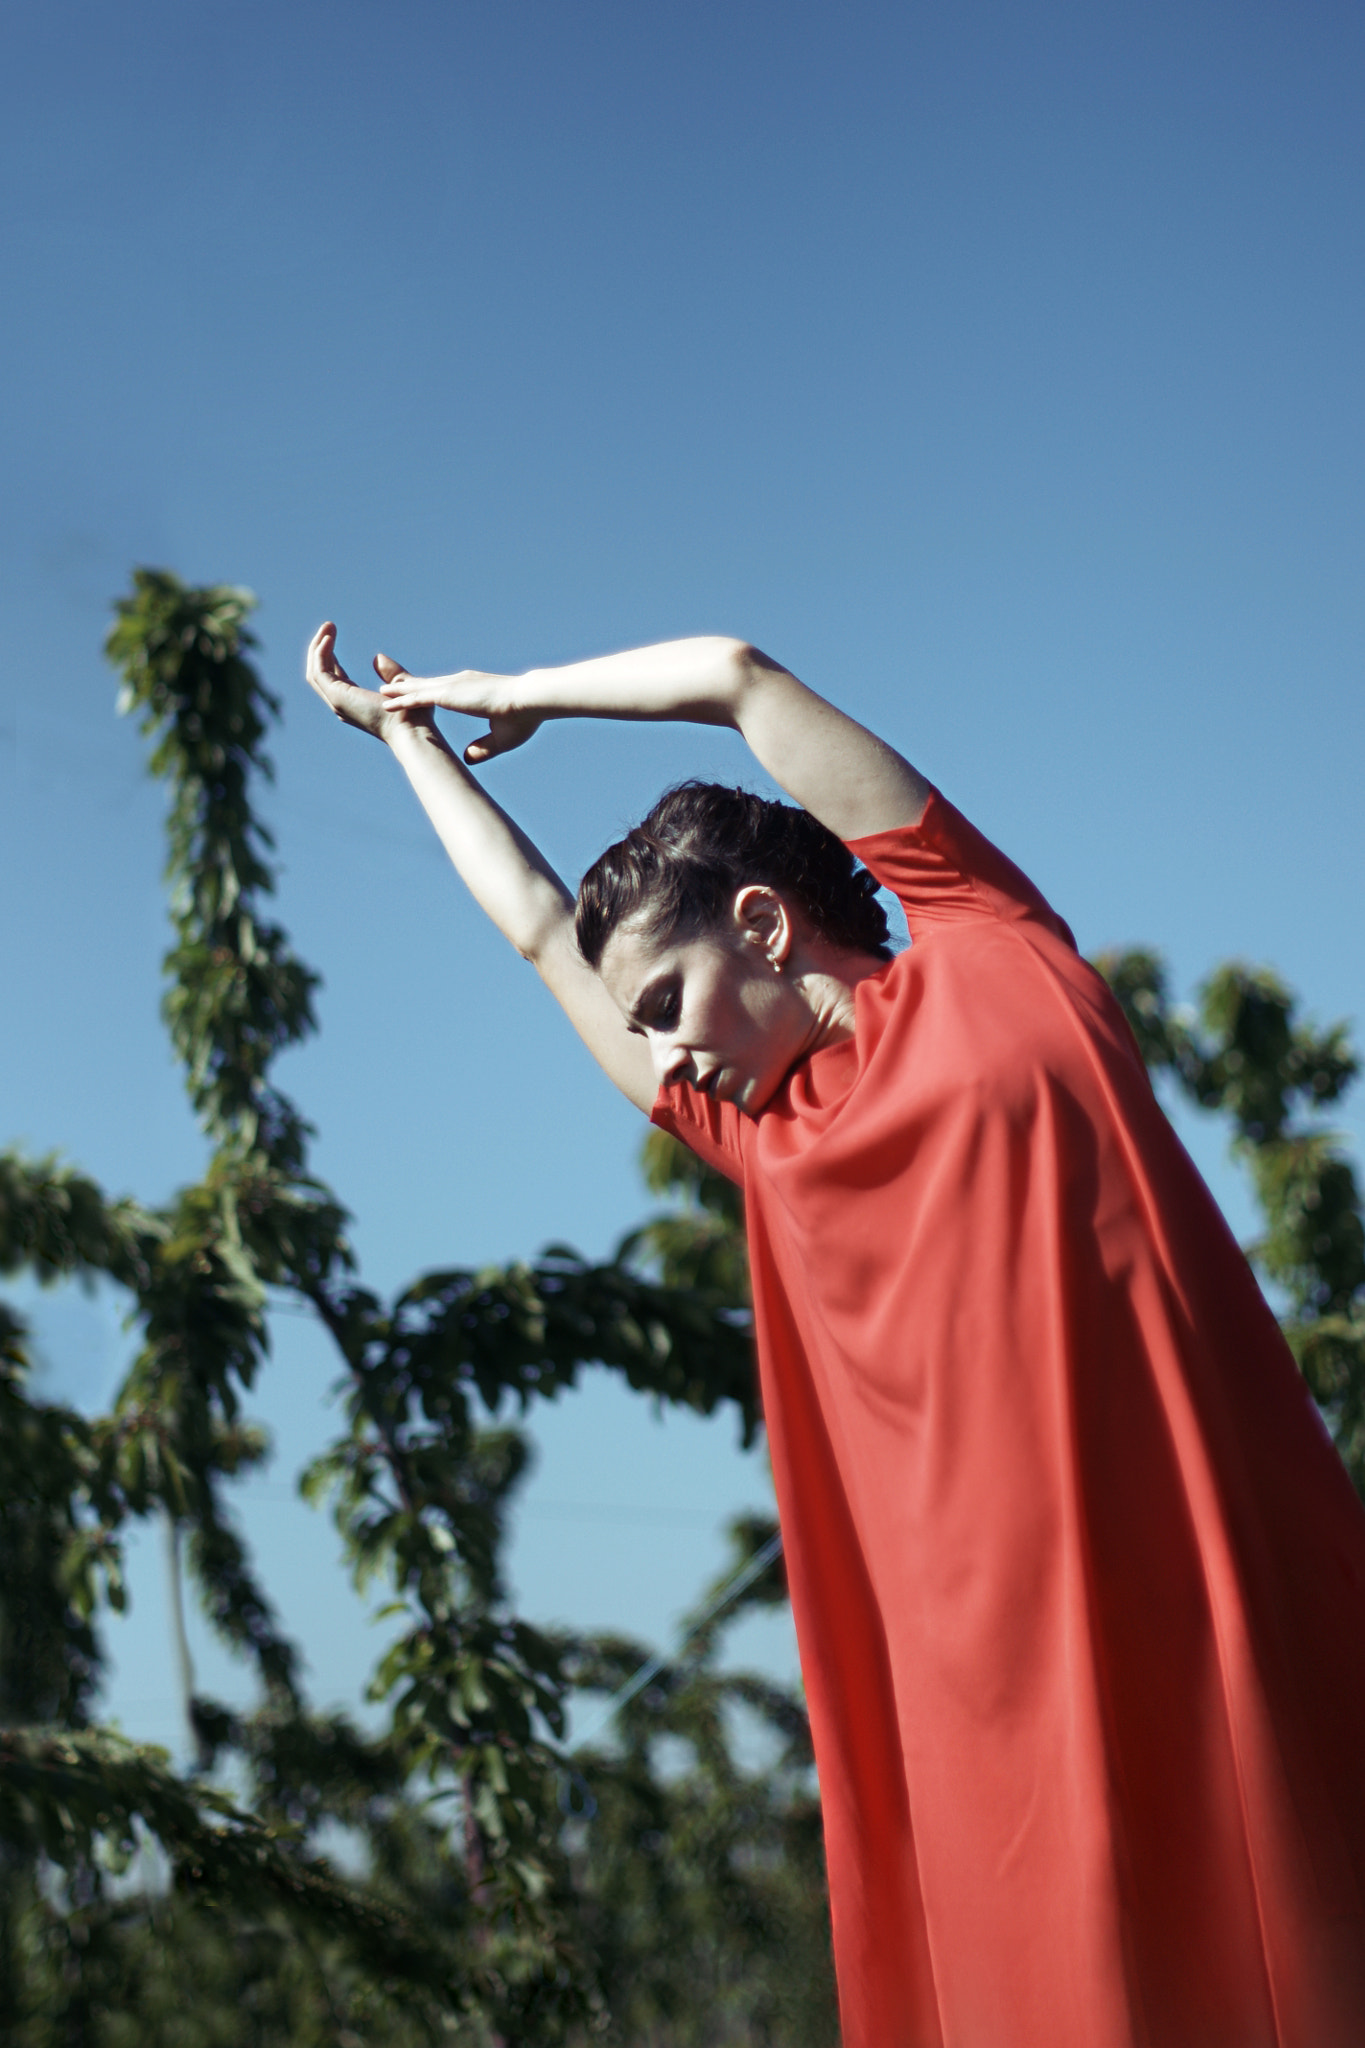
(716, 1009)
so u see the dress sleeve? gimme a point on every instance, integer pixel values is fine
(943, 871)
(715, 1131)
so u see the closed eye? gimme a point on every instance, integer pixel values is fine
(658, 1007)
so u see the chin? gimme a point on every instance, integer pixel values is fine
(752, 1097)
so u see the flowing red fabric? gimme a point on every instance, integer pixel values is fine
(1078, 1578)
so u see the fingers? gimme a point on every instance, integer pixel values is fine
(502, 736)
(408, 694)
(402, 692)
(322, 666)
(329, 679)
(319, 647)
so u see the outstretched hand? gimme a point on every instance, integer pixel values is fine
(470, 691)
(353, 705)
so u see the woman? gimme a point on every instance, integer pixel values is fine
(1079, 1582)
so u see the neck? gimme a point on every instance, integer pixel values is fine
(827, 979)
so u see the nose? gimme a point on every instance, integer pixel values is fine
(671, 1060)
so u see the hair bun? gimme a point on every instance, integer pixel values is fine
(701, 844)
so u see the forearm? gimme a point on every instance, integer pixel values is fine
(506, 874)
(699, 681)
(829, 763)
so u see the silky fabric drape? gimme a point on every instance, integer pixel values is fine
(1078, 1579)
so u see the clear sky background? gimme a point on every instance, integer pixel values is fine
(997, 367)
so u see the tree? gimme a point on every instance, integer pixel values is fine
(1246, 1053)
(466, 1919)
(662, 1886)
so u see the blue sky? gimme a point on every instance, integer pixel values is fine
(995, 367)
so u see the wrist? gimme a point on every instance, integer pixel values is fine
(544, 693)
(410, 738)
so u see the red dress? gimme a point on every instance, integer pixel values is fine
(1078, 1579)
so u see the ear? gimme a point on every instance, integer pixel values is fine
(762, 919)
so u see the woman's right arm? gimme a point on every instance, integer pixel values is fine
(835, 768)
(508, 877)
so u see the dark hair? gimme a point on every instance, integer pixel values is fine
(700, 845)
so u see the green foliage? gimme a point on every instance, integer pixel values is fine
(59, 1224)
(661, 1883)
(1246, 1052)
(237, 995)
(702, 1881)
(467, 1917)
(49, 1655)
(699, 1242)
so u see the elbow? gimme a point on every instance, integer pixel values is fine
(753, 673)
(732, 670)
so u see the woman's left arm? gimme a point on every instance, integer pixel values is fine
(832, 766)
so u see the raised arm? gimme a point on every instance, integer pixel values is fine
(505, 873)
(848, 778)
